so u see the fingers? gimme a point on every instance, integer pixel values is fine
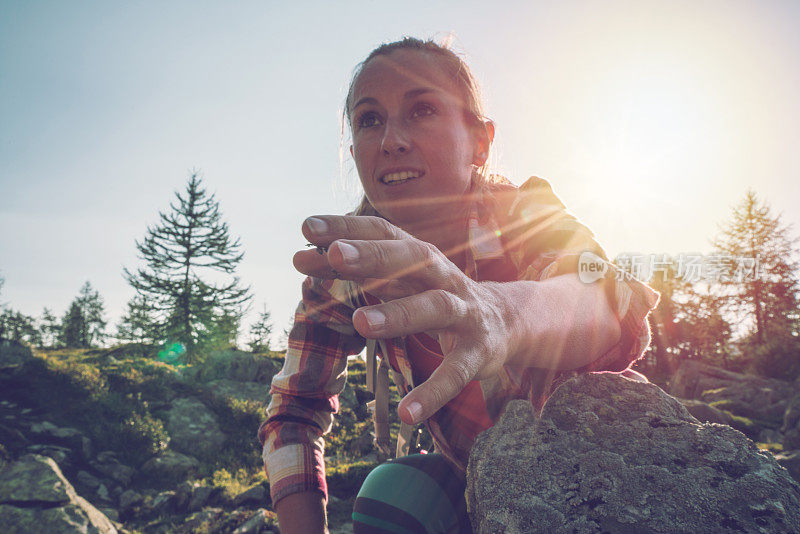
(410, 260)
(447, 381)
(325, 229)
(430, 310)
(312, 263)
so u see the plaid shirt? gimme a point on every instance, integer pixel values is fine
(514, 233)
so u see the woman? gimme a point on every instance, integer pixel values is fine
(471, 281)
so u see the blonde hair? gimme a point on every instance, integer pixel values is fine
(456, 68)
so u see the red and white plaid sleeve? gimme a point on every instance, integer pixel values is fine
(305, 392)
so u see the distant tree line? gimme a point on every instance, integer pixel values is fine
(81, 326)
(741, 315)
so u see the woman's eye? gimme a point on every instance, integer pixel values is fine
(368, 120)
(422, 110)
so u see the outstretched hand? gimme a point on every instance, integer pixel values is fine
(423, 291)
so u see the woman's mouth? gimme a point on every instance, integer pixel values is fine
(397, 178)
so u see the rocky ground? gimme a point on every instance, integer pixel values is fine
(114, 440)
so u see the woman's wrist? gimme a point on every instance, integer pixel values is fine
(302, 513)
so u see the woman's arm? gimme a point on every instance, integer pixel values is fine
(302, 513)
(557, 323)
(304, 397)
(481, 327)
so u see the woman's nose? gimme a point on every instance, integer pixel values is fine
(395, 139)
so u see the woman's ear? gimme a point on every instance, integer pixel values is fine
(484, 138)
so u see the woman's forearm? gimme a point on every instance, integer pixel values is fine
(558, 323)
(302, 513)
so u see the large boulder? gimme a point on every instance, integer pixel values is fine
(612, 455)
(47, 432)
(35, 497)
(169, 468)
(762, 399)
(194, 428)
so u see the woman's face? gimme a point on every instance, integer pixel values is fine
(412, 145)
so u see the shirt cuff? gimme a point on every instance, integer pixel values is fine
(631, 300)
(294, 468)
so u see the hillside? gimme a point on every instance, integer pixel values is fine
(165, 448)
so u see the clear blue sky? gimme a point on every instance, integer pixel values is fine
(650, 119)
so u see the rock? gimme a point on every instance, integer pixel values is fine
(107, 464)
(201, 496)
(261, 521)
(35, 497)
(102, 493)
(61, 455)
(182, 495)
(13, 439)
(613, 455)
(791, 425)
(246, 391)
(193, 428)
(254, 497)
(88, 480)
(170, 467)
(35, 479)
(790, 461)
(763, 399)
(163, 503)
(204, 518)
(129, 499)
(47, 432)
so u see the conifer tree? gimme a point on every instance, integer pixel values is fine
(138, 325)
(182, 254)
(83, 324)
(73, 327)
(48, 329)
(16, 326)
(260, 332)
(769, 296)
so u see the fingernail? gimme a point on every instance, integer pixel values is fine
(318, 226)
(349, 252)
(375, 318)
(415, 410)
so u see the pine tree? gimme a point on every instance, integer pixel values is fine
(768, 293)
(260, 332)
(48, 329)
(83, 324)
(189, 244)
(73, 327)
(138, 325)
(16, 326)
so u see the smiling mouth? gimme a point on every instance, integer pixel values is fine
(397, 178)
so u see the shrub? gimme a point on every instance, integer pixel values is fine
(778, 358)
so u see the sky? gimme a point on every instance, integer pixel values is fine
(649, 119)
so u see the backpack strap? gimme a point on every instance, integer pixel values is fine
(378, 384)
